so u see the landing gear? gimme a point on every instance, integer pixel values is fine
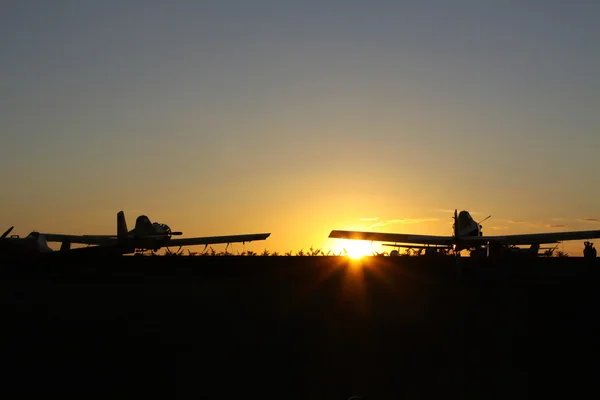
(589, 251)
(143, 252)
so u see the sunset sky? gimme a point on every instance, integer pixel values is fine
(296, 118)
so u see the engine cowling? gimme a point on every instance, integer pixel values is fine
(162, 229)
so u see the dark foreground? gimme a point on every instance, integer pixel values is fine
(299, 327)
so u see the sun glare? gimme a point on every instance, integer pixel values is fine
(357, 248)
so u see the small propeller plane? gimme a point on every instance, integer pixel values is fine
(35, 245)
(146, 235)
(467, 235)
(17, 246)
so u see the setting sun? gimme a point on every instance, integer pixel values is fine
(357, 248)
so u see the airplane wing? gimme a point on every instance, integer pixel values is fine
(533, 238)
(103, 240)
(393, 237)
(216, 239)
(81, 239)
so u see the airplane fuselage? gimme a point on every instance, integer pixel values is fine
(148, 235)
(145, 242)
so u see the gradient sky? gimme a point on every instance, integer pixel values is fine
(295, 118)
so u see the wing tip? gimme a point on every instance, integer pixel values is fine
(259, 236)
(337, 234)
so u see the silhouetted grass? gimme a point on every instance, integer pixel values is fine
(210, 251)
(311, 252)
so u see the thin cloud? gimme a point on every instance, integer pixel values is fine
(443, 210)
(556, 226)
(370, 219)
(590, 219)
(558, 219)
(509, 221)
(497, 228)
(404, 221)
(533, 224)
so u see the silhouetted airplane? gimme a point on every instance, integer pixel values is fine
(467, 235)
(147, 236)
(16, 246)
(35, 245)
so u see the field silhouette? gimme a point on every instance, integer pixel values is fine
(299, 327)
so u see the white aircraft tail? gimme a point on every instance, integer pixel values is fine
(121, 225)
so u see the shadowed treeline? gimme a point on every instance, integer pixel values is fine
(299, 327)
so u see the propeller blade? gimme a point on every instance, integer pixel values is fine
(5, 234)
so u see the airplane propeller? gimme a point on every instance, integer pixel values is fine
(5, 234)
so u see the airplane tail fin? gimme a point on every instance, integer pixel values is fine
(5, 234)
(121, 225)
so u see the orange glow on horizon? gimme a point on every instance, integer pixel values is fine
(355, 249)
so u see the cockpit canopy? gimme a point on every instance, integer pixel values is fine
(466, 225)
(464, 219)
(143, 226)
(142, 219)
(33, 235)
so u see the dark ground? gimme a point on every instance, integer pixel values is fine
(299, 327)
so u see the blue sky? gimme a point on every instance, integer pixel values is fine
(298, 117)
